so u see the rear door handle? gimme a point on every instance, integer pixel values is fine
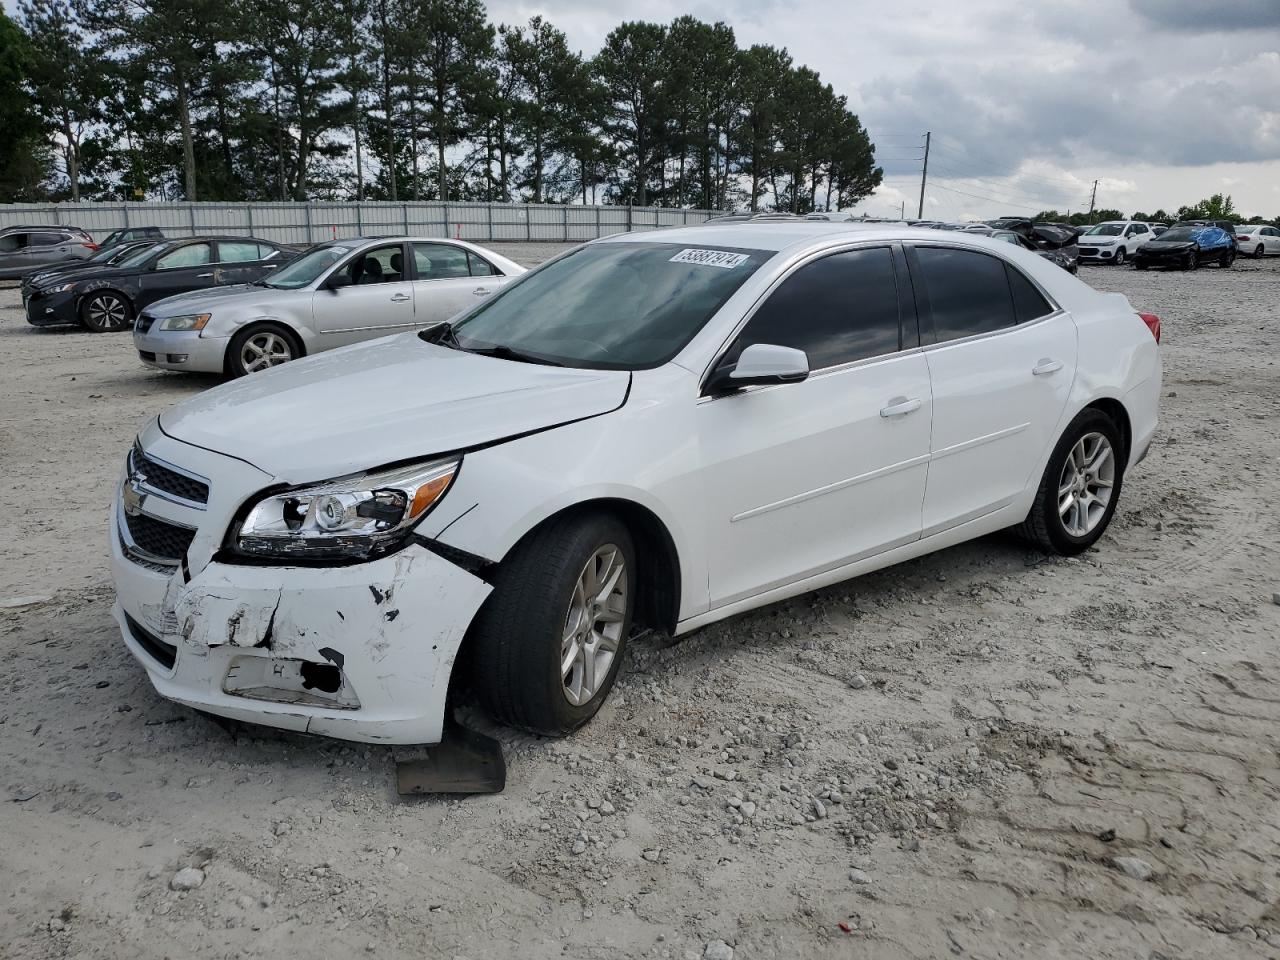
(900, 406)
(1046, 367)
(482, 291)
(400, 298)
(203, 276)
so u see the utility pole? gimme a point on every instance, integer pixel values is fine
(1093, 199)
(924, 173)
(903, 214)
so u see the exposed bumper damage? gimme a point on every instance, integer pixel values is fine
(361, 652)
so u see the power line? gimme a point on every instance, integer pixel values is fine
(1008, 196)
(978, 196)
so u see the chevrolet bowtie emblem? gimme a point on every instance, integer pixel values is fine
(132, 496)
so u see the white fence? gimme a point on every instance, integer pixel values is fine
(316, 222)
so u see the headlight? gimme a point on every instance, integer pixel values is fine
(193, 321)
(60, 288)
(361, 517)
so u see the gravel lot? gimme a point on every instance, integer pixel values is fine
(983, 753)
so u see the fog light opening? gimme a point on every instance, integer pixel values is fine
(324, 677)
(177, 358)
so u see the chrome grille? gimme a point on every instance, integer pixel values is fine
(157, 538)
(163, 479)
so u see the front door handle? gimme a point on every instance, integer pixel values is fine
(203, 276)
(400, 298)
(482, 291)
(1046, 367)
(900, 406)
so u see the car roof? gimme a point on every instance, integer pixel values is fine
(22, 227)
(776, 235)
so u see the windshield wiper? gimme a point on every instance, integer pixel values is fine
(503, 352)
(442, 334)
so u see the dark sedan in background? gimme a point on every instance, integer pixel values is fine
(1187, 246)
(107, 256)
(107, 298)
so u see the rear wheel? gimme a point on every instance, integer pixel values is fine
(550, 638)
(1078, 493)
(261, 347)
(106, 312)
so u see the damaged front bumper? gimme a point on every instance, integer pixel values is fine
(360, 652)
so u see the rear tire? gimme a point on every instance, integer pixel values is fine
(1080, 488)
(106, 311)
(549, 640)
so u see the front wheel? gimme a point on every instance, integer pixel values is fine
(1078, 493)
(1191, 261)
(1139, 265)
(548, 642)
(261, 347)
(106, 312)
(1259, 252)
(1227, 259)
(1120, 254)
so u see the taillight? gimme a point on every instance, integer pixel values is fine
(1238, 237)
(89, 246)
(1153, 324)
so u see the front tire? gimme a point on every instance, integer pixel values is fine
(1191, 262)
(1080, 488)
(106, 312)
(1120, 254)
(260, 347)
(1259, 252)
(1227, 259)
(549, 640)
(1139, 264)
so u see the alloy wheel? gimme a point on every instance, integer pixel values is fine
(1084, 488)
(106, 312)
(263, 350)
(593, 624)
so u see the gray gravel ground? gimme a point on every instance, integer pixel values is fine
(983, 753)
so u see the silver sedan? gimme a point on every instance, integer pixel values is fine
(335, 294)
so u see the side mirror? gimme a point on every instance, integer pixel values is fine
(760, 364)
(338, 280)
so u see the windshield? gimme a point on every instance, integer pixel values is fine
(1180, 233)
(611, 306)
(1105, 230)
(306, 268)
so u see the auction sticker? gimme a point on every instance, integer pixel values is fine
(710, 258)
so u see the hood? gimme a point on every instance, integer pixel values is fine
(66, 273)
(387, 400)
(235, 295)
(1053, 237)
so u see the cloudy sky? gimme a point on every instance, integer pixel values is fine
(1029, 101)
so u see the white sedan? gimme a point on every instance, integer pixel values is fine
(335, 294)
(661, 429)
(1258, 240)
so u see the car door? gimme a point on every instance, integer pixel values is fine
(1136, 235)
(805, 477)
(368, 295)
(1271, 239)
(44, 249)
(1001, 361)
(14, 261)
(183, 268)
(444, 284)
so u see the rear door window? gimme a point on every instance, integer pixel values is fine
(237, 251)
(48, 239)
(968, 292)
(839, 309)
(440, 261)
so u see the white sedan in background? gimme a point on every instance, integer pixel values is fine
(335, 294)
(1258, 240)
(1113, 241)
(663, 429)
